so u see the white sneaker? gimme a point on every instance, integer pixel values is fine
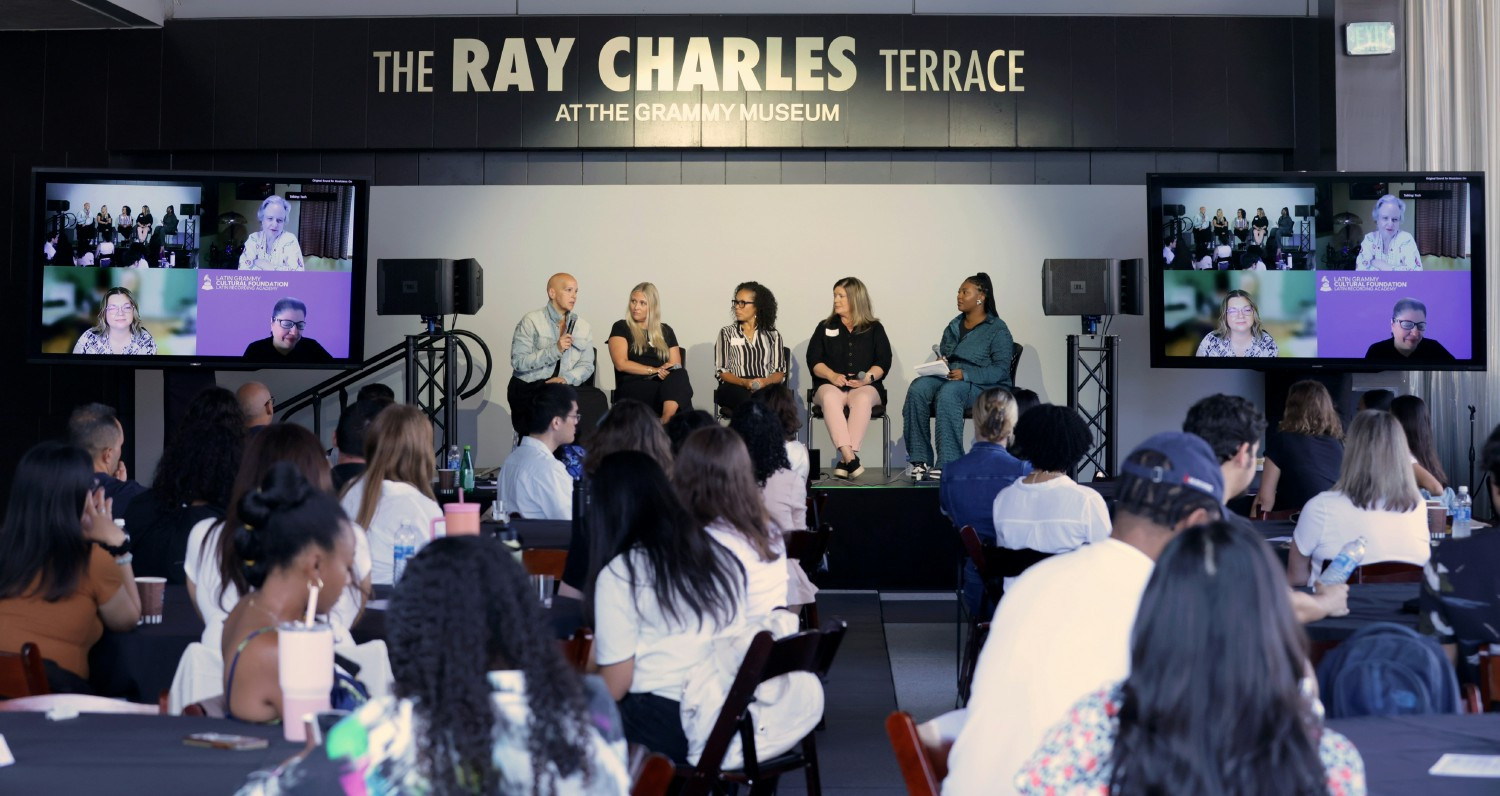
(934, 474)
(919, 471)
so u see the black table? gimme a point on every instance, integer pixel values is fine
(1398, 751)
(1368, 602)
(139, 665)
(126, 755)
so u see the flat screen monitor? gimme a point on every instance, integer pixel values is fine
(1367, 271)
(165, 269)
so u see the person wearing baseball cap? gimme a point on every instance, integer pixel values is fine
(1064, 628)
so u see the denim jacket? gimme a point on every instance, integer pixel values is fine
(971, 482)
(533, 349)
(983, 355)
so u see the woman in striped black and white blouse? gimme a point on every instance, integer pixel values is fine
(749, 353)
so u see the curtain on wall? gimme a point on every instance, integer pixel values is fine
(326, 227)
(1452, 79)
(1441, 226)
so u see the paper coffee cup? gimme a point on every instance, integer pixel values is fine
(153, 592)
(1437, 518)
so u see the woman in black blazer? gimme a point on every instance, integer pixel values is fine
(850, 355)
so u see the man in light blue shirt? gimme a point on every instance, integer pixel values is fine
(550, 346)
(533, 483)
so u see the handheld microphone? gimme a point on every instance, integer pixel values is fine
(862, 375)
(936, 354)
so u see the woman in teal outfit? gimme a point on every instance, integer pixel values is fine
(977, 346)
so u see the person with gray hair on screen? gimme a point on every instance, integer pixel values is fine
(1388, 248)
(286, 343)
(272, 248)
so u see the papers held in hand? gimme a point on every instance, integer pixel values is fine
(937, 367)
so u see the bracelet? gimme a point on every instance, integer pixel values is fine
(116, 550)
(125, 559)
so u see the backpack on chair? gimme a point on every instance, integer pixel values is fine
(1386, 669)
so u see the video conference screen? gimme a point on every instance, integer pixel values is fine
(177, 269)
(1352, 271)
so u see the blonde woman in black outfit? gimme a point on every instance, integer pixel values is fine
(849, 355)
(647, 359)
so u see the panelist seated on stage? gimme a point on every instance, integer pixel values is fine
(396, 486)
(849, 356)
(287, 343)
(967, 493)
(647, 359)
(749, 353)
(1375, 498)
(551, 345)
(977, 348)
(1408, 341)
(533, 483)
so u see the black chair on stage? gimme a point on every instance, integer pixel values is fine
(995, 564)
(1015, 365)
(724, 413)
(808, 651)
(877, 412)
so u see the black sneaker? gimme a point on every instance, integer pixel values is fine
(850, 469)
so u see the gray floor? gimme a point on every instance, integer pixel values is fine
(898, 654)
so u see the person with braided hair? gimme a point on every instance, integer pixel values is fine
(291, 537)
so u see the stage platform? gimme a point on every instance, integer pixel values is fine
(887, 533)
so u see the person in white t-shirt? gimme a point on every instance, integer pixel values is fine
(667, 591)
(533, 483)
(215, 585)
(1063, 630)
(1375, 497)
(716, 481)
(396, 486)
(1045, 510)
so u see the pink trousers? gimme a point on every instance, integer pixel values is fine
(846, 432)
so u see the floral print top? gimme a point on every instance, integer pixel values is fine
(282, 254)
(1214, 345)
(142, 344)
(1401, 255)
(1074, 759)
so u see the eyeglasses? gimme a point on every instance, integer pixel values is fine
(1420, 326)
(120, 309)
(737, 304)
(575, 417)
(290, 325)
(1245, 311)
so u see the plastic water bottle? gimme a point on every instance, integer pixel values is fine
(1463, 514)
(1344, 563)
(466, 470)
(407, 540)
(455, 459)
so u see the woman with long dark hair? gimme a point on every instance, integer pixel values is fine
(977, 348)
(781, 488)
(65, 567)
(662, 592)
(215, 578)
(289, 537)
(1220, 697)
(749, 353)
(716, 480)
(1412, 413)
(192, 483)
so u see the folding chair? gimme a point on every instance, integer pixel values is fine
(923, 761)
(23, 674)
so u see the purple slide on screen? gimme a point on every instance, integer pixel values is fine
(234, 308)
(1354, 309)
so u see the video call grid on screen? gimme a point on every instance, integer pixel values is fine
(197, 269)
(1341, 265)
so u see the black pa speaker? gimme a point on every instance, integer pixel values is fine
(59, 205)
(188, 210)
(1093, 287)
(1302, 211)
(1173, 210)
(428, 287)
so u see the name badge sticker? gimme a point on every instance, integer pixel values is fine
(737, 341)
(830, 332)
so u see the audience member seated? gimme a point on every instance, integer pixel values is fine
(1026, 400)
(1460, 604)
(784, 492)
(256, 404)
(533, 483)
(290, 536)
(1375, 497)
(684, 423)
(349, 438)
(716, 480)
(496, 710)
(65, 572)
(551, 345)
(849, 356)
(647, 359)
(782, 403)
(967, 492)
(192, 483)
(1165, 728)
(628, 426)
(96, 429)
(666, 591)
(375, 391)
(1046, 510)
(1375, 399)
(1233, 427)
(1416, 424)
(1304, 454)
(1064, 628)
(216, 582)
(396, 486)
(749, 354)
